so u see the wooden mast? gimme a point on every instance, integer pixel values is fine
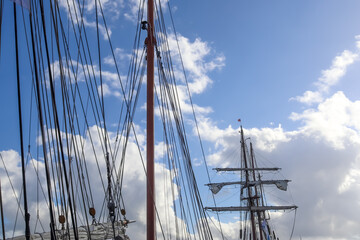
(150, 199)
(250, 199)
(256, 208)
(256, 191)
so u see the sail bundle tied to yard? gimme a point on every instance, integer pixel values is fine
(280, 184)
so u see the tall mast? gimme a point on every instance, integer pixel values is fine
(150, 199)
(254, 186)
(256, 191)
(250, 200)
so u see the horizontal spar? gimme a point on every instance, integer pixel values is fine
(216, 187)
(253, 208)
(245, 169)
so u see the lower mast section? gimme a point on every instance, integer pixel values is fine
(150, 202)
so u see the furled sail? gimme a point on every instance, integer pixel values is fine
(280, 184)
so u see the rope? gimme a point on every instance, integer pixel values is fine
(27, 215)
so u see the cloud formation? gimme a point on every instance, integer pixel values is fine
(199, 60)
(133, 188)
(331, 76)
(321, 157)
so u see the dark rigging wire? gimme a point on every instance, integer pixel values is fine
(2, 213)
(27, 215)
(52, 221)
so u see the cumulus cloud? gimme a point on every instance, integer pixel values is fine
(132, 7)
(324, 174)
(199, 60)
(11, 182)
(107, 91)
(331, 76)
(336, 120)
(321, 158)
(77, 15)
(120, 56)
(133, 186)
(113, 7)
(75, 72)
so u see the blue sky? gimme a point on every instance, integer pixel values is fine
(254, 60)
(274, 50)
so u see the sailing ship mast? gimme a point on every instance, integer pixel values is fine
(60, 144)
(253, 193)
(150, 198)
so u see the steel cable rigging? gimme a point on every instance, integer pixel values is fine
(71, 122)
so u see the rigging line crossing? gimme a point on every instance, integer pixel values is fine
(133, 65)
(38, 178)
(129, 124)
(48, 120)
(110, 42)
(55, 112)
(111, 47)
(183, 141)
(159, 65)
(176, 177)
(53, 145)
(129, 121)
(192, 106)
(26, 39)
(80, 26)
(12, 186)
(52, 222)
(82, 106)
(178, 166)
(73, 141)
(27, 215)
(111, 205)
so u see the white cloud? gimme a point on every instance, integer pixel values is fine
(270, 137)
(331, 76)
(133, 187)
(351, 178)
(321, 158)
(120, 56)
(309, 97)
(114, 6)
(336, 121)
(106, 33)
(132, 14)
(74, 14)
(81, 73)
(133, 7)
(106, 90)
(199, 61)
